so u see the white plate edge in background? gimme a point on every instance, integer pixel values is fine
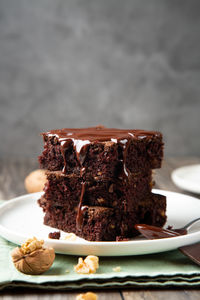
(182, 182)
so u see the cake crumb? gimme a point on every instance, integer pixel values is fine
(117, 269)
(87, 266)
(70, 237)
(54, 235)
(169, 227)
(121, 239)
(87, 296)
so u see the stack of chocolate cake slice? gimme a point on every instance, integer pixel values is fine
(100, 181)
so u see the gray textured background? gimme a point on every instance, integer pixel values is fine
(129, 64)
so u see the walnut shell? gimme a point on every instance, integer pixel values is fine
(35, 181)
(34, 263)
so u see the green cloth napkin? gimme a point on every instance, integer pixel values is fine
(156, 270)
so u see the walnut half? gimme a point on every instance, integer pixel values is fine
(35, 260)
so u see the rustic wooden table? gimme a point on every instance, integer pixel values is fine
(12, 176)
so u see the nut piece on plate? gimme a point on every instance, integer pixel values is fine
(87, 266)
(87, 296)
(70, 237)
(32, 258)
(35, 181)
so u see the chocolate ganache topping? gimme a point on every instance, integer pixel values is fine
(99, 133)
(82, 137)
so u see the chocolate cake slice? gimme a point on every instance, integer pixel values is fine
(65, 190)
(97, 223)
(100, 181)
(100, 151)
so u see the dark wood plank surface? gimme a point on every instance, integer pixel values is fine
(12, 175)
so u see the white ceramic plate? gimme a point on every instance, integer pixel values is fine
(187, 178)
(22, 218)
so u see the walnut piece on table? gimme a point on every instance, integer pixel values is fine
(87, 266)
(87, 296)
(117, 269)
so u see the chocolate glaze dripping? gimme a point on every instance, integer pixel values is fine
(82, 172)
(125, 152)
(154, 232)
(64, 145)
(81, 209)
(80, 147)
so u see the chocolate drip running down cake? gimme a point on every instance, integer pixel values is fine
(100, 181)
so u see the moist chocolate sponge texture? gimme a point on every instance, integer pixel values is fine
(99, 181)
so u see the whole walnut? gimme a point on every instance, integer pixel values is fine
(33, 262)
